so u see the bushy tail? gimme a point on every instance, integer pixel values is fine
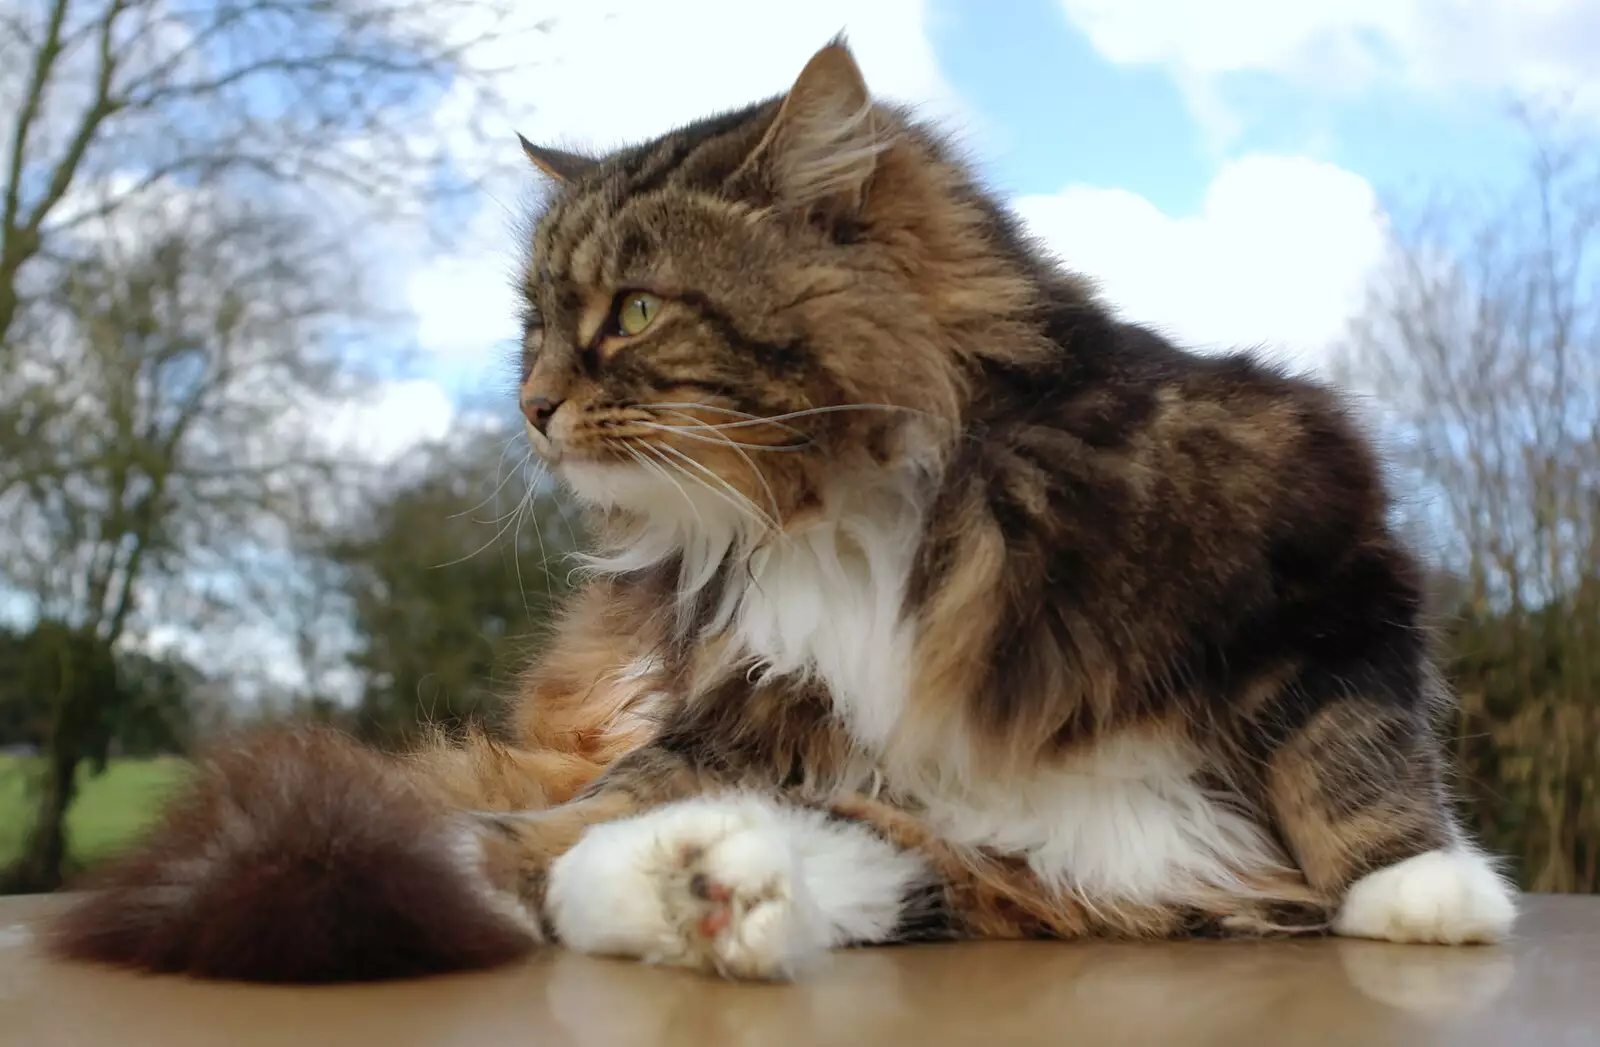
(295, 855)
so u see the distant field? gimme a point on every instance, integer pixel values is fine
(109, 810)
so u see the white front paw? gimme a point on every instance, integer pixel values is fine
(710, 883)
(1444, 897)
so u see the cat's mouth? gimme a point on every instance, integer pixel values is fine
(543, 446)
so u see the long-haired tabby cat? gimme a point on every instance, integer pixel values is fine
(931, 602)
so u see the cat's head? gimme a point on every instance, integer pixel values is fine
(761, 311)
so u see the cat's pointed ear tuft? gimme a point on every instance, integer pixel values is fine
(559, 165)
(824, 144)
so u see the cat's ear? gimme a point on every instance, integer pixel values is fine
(559, 165)
(823, 145)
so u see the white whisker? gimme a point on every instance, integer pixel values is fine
(516, 553)
(738, 498)
(810, 411)
(497, 535)
(662, 472)
(531, 502)
(760, 476)
(505, 478)
(743, 415)
(686, 431)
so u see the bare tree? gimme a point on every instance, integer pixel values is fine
(185, 186)
(1483, 334)
(1482, 338)
(301, 93)
(104, 102)
(188, 355)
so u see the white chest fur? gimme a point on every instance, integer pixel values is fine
(1124, 821)
(827, 603)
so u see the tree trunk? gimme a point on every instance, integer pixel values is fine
(8, 312)
(44, 862)
(76, 668)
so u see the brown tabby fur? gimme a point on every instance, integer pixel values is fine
(1118, 540)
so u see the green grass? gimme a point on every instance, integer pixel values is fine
(109, 810)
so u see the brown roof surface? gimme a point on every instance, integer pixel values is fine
(1541, 991)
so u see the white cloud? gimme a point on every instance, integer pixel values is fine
(599, 75)
(390, 420)
(613, 73)
(1278, 255)
(1518, 45)
(462, 299)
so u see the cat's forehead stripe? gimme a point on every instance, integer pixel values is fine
(567, 245)
(659, 163)
(573, 224)
(585, 259)
(676, 154)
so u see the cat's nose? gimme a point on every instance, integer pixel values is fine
(538, 410)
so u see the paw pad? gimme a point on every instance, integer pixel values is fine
(719, 910)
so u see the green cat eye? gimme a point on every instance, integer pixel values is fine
(636, 312)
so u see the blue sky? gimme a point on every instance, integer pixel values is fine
(1056, 112)
(1062, 112)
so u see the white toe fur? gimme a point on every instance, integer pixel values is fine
(735, 884)
(1448, 897)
